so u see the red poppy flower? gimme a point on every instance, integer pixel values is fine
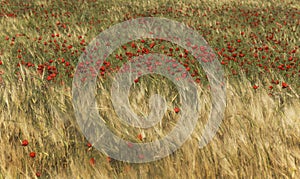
(140, 136)
(129, 144)
(37, 174)
(284, 85)
(89, 144)
(152, 45)
(133, 45)
(141, 156)
(255, 87)
(25, 142)
(197, 81)
(92, 161)
(32, 154)
(176, 109)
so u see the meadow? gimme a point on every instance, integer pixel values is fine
(256, 42)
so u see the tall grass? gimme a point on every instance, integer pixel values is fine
(258, 138)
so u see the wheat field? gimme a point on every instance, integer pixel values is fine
(259, 136)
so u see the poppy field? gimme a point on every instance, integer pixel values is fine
(256, 43)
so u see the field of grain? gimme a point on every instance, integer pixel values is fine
(256, 43)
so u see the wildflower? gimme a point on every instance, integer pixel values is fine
(108, 159)
(37, 174)
(25, 142)
(32, 154)
(284, 85)
(92, 161)
(89, 145)
(140, 136)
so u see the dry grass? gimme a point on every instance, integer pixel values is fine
(259, 138)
